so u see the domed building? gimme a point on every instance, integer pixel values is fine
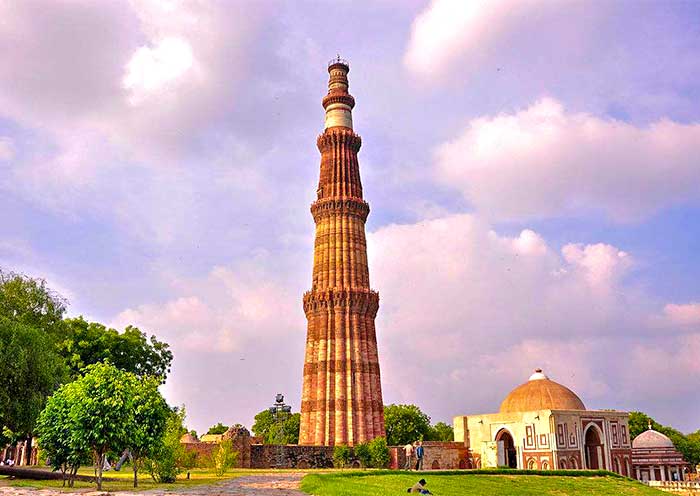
(655, 458)
(544, 425)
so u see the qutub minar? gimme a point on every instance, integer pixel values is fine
(341, 399)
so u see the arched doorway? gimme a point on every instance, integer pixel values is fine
(562, 464)
(507, 454)
(593, 449)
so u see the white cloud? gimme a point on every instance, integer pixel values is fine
(152, 69)
(685, 315)
(543, 161)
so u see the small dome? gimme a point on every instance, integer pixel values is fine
(541, 393)
(652, 439)
(188, 438)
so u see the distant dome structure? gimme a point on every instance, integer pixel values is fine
(652, 439)
(188, 438)
(541, 393)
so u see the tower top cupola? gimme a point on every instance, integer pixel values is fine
(338, 102)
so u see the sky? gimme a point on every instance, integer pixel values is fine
(532, 168)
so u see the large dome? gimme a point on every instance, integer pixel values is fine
(540, 393)
(652, 439)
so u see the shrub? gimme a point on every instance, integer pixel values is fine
(379, 452)
(341, 456)
(363, 454)
(224, 458)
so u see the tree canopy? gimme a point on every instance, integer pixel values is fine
(272, 432)
(219, 428)
(85, 343)
(31, 302)
(405, 424)
(31, 370)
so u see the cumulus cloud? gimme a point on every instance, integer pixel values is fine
(543, 161)
(686, 315)
(452, 37)
(466, 305)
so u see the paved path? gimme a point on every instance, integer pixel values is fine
(285, 484)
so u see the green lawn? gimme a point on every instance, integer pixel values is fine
(467, 484)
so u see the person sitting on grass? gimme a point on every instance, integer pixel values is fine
(419, 487)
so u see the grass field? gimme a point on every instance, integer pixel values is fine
(125, 480)
(468, 484)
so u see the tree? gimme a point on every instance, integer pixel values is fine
(30, 301)
(363, 454)
(169, 456)
(405, 424)
(55, 428)
(268, 428)
(85, 343)
(217, 429)
(151, 414)
(31, 371)
(441, 432)
(103, 412)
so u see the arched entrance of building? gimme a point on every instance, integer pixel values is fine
(507, 454)
(593, 448)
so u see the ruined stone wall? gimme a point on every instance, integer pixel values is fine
(438, 455)
(291, 456)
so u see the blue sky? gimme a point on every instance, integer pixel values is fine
(531, 167)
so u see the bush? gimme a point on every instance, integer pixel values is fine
(341, 456)
(224, 458)
(379, 452)
(363, 454)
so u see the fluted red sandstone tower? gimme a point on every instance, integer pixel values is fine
(342, 395)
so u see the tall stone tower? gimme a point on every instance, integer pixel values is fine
(341, 399)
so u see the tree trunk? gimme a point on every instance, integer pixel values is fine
(28, 450)
(134, 464)
(100, 465)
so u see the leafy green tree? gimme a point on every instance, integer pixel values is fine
(379, 451)
(32, 319)
(31, 302)
(271, 432)
(55, 428)
(151, 414)
(85, 343)
(217, 429)
(31, 371)
(103, 412)
(405, 424)
(441, 432)
(169, 457)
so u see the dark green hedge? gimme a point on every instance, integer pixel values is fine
(484, 471)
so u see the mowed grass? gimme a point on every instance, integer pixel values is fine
(467, 484)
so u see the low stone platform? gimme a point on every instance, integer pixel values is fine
(285, 484)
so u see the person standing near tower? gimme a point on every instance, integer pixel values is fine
(341, 399)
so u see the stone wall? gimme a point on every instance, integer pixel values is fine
(438, 455)
(290, 456)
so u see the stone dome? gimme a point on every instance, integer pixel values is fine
(652, 439)
(188, 438)
(541, 393)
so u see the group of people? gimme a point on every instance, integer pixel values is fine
(412, 451)
(9, 462)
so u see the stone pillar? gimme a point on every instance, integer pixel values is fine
(652, 473)
(639, 476)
